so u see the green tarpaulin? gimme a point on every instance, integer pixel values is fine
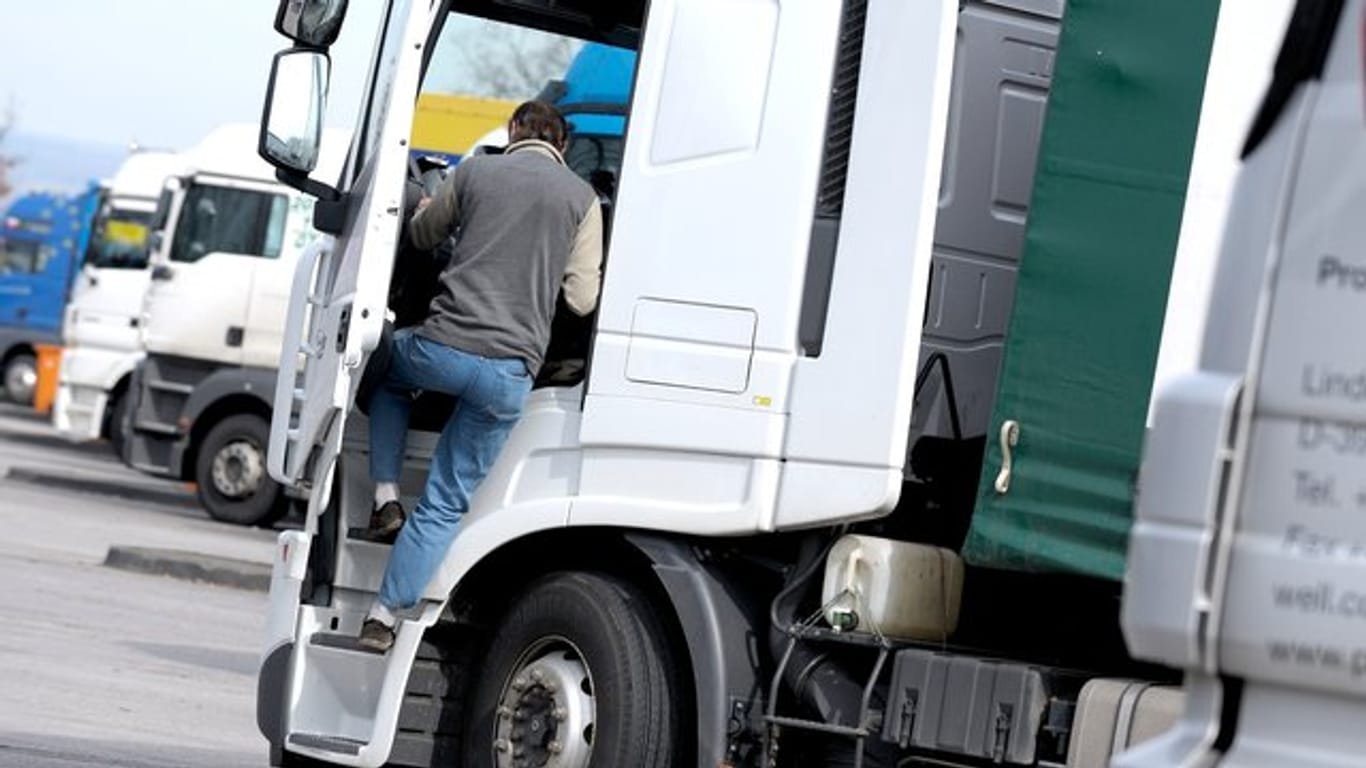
(1100, 242)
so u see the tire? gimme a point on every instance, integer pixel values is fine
(230, 470)
(619, 709)
(116, 414)
(20, 378)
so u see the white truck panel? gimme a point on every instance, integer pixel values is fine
(1284, 586)
(852, 405)
(719, 277)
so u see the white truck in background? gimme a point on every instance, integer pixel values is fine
(101, 332)
(636, 583)
(200, 397)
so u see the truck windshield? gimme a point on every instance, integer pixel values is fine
(119, 239)
(482, 69)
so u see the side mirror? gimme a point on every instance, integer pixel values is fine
(291, 129)
(154, 241)
(315, 23)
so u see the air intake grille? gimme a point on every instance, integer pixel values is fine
(839, 132)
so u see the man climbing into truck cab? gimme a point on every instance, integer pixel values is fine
(527, 228)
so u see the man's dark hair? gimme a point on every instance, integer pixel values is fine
(539, 120)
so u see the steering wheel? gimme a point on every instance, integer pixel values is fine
(426, 174)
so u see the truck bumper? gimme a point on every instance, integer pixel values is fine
(88, 378)
(159, 427)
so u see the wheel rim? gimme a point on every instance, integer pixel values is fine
(21, 380)
(546, 713)
(238, 469)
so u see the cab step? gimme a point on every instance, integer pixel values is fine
(364, 534)
(338, 642)
(340, 745)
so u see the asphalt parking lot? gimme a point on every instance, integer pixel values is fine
(105, 667)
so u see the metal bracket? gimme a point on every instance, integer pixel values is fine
(1010, 436)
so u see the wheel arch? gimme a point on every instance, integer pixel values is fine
(16, 349)
(227, 392)
(710, 636)
(18, 340)
(122, 381)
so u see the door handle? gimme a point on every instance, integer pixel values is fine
(162, 272)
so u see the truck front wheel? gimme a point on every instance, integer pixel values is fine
(577, 676)
(21, 378)
(230, 470)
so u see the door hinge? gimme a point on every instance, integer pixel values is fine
(343, 329)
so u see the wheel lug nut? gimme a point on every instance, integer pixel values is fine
(536, 675)
(555, 747)
(519, 684)
(504, 711)
(560, 713)
(501, 745)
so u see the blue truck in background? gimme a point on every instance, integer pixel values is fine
(594, 97)
(42, 238)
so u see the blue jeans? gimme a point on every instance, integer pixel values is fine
(490, 395)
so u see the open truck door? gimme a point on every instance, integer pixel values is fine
(337, 313)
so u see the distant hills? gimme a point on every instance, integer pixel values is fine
(53, 163)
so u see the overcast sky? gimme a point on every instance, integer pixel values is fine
(159, 72)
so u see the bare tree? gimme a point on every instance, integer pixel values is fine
(502, 63)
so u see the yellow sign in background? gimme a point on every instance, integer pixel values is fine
(125, 233)
(450, 123)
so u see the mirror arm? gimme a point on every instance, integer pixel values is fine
(329, 216)
(324, 192)
(329, 213)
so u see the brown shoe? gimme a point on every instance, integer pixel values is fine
(376, 636)
(385, 522)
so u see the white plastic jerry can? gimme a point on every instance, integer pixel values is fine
(892, 588)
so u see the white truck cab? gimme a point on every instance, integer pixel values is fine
(211, 319)
(1246, 564)
(820, 208)
(101, 333)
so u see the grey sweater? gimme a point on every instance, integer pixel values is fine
(526, 225)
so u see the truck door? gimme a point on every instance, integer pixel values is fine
(21, 260)
(107, 294)
(197, 305)
(39, 244)
(67, 240)
(339, 292)
(289, 232)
